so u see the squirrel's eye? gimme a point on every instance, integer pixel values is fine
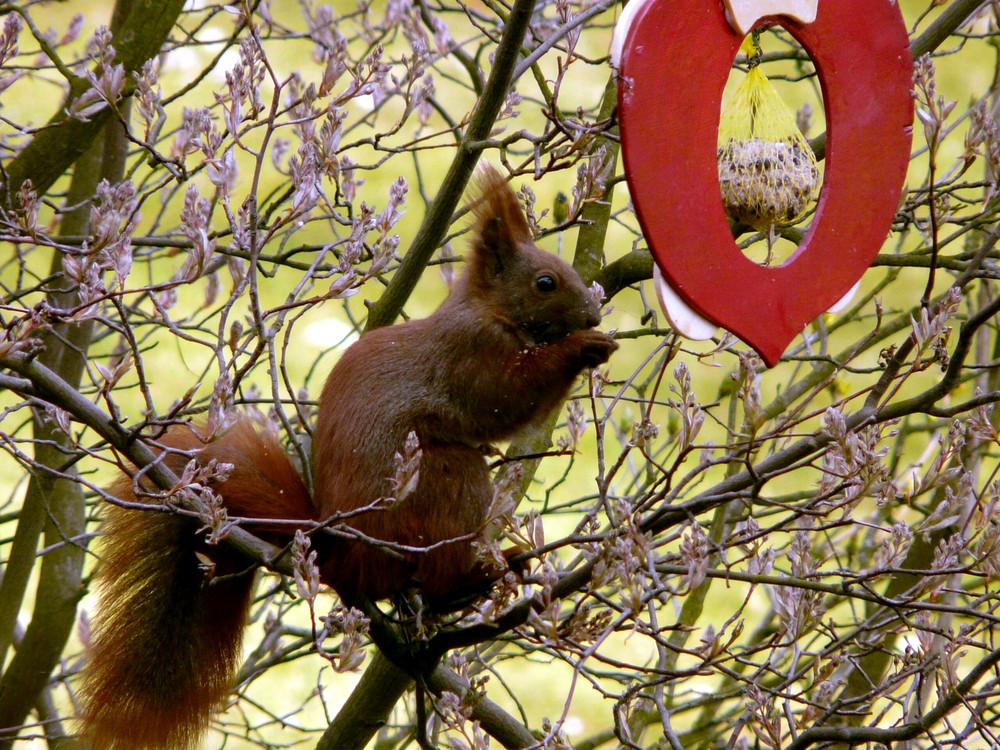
(545, 284)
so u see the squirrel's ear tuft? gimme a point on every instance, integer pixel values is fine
(500, 224)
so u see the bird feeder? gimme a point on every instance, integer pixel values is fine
(673, 59)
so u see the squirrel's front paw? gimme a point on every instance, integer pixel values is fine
(595, 347)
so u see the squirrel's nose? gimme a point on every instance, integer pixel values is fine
(593, 318)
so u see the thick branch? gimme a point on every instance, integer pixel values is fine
(630, 269)
(365, 712)
(52, 151)
(438, 217)
(944, 26)
(49, 386)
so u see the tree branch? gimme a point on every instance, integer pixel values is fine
(438, 217)
(61, 142)
(49, 386)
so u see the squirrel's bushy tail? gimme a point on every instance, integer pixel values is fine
(166, 640)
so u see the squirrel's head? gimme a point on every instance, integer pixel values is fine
(532, 291)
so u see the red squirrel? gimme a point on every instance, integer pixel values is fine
(501, 352)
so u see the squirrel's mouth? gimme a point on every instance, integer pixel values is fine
(545, 331)
(540, 332)
(548, 331)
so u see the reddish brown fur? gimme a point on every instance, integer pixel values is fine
(500, 353)
(167, 637)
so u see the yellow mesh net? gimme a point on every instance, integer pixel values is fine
(767, 171)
